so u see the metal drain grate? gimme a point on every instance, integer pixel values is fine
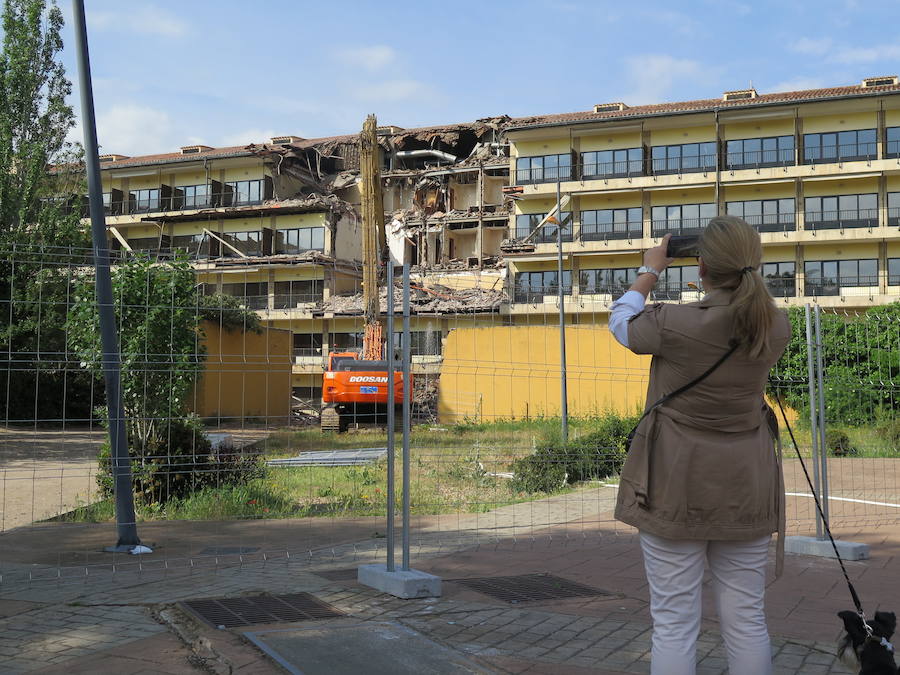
(529, 587)
(229, 550)
(250, 610)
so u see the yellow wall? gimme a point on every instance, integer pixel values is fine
(504, 372)
(826, 188)
(612, 142)
(682, 135)
(246, 374)
(675, 197)
(847, 251)
(742, 193)
(620, 200)
(843, 122)
(760, 129)
(556, 146)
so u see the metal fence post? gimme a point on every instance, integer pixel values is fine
(390, 415)
(563, 393)
(407, 395)
(823, 445)
(813, 409)
(118, 437)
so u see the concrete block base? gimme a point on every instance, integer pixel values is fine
(822, 547)
(401, 584)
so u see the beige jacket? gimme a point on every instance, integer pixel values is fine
(706, 464)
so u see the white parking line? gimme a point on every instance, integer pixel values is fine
(844, 499)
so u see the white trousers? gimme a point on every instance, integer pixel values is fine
(675, 575)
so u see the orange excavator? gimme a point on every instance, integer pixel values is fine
(356, 391)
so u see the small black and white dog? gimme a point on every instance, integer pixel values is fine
(875, 654)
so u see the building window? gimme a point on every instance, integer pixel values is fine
(892, 142)
(144, 201)
(525, 224)
(677, 280)
(111, 207)
(195, 245)
(893, 268)
(307, 344)
(245, 192)
(893, 208)
(308, 395)
(828, 277)
(606, 281)
(545, 169)
(766, 215)
(290, 294)
(750, 153)
(780, 277)
(248, 243)
(421, 342)
(839, 146)
(145, 244)
(345, 342)
(612, 163)
(252, 294)
(192, 197)
(833, 213)
(534, 286)
(301, 239)
(611, 224)
(681, 218)
(685, 158)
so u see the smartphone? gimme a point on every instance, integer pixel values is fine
(681, 246)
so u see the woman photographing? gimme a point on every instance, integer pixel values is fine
(702, 481)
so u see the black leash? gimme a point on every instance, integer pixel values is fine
(856, 602)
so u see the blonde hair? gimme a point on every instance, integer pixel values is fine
(732, 254)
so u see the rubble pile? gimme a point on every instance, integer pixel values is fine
(433, 299)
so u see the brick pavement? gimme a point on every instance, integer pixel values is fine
(93, 617)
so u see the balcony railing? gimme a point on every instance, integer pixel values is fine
(892, 149)
(540, 294)
(633, 229)
(758, 159)
(621, 169)
(546, 235)
(893, 214)
(689, 164)
(781, 222)
(296, 300)
(839, 220)
(307, 352)
(852, 152)
(121, 207)
(688, 226)
(782, 287)
(853, 286)
(543, 175)
(676, 290)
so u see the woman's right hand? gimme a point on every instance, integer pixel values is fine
(656, 257)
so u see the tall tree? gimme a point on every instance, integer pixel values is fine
(42, 244)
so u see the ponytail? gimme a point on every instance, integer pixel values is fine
(732, 254)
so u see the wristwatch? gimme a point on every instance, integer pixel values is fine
(644, 269)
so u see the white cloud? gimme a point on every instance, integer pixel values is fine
(374, 58)
(656, 75)
(131, 129)
(672, 19)
(855, 55)
(147, 19)
(810, 46)
(796, 84)
(392, 90)
(249, 136)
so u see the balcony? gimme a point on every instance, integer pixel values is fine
(774, 222)
(549, 174)
(830, 154)
(684, 226)
(620, 169)
(296, 300)
(892, 149)
(782, 287)
(839, 220)
(633, 229)
(760, 159)
(539, 295)
(893, 215)
(843, 286)
(679, 291)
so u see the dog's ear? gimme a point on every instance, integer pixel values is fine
(853, 626)
(887, 623)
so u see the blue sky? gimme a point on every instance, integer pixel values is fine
(224, 72)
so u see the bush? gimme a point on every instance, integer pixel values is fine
(182, 462)
(594, 456)
(838, 443)
(889, 430)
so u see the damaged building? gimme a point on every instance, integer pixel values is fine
(278, 226)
